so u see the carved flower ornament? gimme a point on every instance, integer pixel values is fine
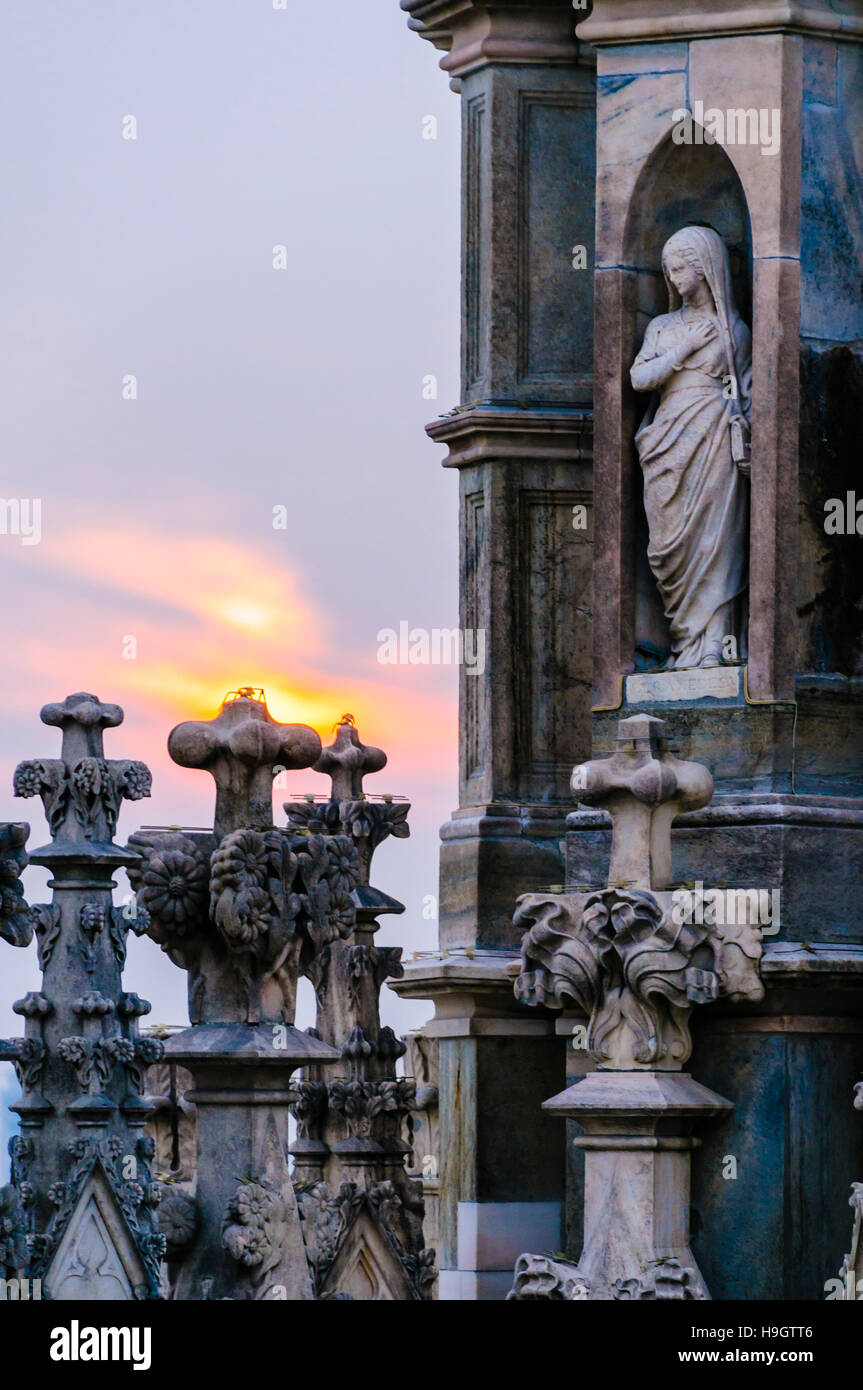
(178, 1217)
(137, 781)
(251, 1226)
(29, 779)
(174, 885)
(343, 865)
(241, 861)
(89, 775)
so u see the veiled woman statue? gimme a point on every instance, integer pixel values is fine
(693, 447)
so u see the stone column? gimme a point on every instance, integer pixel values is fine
(636, 965)
(520, 439)
(782, 731)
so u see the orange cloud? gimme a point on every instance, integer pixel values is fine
(208, 614)
(208, 578)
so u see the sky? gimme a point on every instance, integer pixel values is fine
(229, 319)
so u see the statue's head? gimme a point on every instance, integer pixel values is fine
(682, 264)
(694, 254)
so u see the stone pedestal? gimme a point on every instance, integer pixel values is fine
(498, 1062)
(520, 439)
(635, 957)
(242, 1091)
(637, 1139)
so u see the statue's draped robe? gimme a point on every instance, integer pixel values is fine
(696, 499)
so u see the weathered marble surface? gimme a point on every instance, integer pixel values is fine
(621, 957)
(362, 1210)
(82, 1191)
(243, 910)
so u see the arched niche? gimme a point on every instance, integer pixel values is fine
(678, 185)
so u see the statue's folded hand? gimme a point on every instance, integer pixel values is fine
(698, 335)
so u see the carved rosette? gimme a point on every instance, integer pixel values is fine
(261, 907)
(170, 882)
(255, 1232)
(178, 1219)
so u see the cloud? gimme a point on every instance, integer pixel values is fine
(166, 624)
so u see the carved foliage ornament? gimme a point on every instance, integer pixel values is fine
(137, 1197)
(91, 787)
(360, 1102)
(624, 963)
(328, 1217)
(636, 973)
(16, 919)
(665, 1279)
(542, 1278)
(367, 823)
(257, 890)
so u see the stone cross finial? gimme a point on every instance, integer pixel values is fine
(241, 748)
(643, 787)
(347, 761)
(82, 790)
(82, 718)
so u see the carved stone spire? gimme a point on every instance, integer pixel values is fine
(347, 761)
(245, 910)
(80, 1167)
(359, 1206)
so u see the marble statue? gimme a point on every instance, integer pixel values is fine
(693, 445)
